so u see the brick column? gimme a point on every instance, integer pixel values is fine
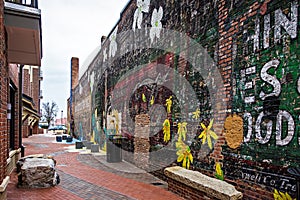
(3, 103)
(141, 141)
(75, 71)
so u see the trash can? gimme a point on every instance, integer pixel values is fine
(79, 145)
(114, 149)
(58, 138)
(69, 139)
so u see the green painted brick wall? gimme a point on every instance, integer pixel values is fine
(255, 47)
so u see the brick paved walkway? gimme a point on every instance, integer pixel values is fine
(84, 176)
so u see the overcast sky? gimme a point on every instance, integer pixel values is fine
(71, 28)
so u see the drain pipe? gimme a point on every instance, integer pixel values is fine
(21, 109)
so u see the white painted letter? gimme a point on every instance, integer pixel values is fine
(267, 28)
(249, 120)
(290, 131)
(289, 26)
(255, 36)
(258, 130)
(272, 80)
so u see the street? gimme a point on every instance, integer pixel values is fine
(87, 176)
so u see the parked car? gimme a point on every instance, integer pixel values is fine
(59, 129)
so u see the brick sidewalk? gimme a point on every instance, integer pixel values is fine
(84, 177)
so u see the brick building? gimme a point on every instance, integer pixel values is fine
(227, 66)
(20, 61)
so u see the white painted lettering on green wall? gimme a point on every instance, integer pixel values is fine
(281, 21)
(259, 124)
(272, 80)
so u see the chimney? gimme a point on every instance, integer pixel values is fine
(74, 72)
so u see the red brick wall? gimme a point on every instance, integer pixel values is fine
(3, 97)
(241, 36)
(35, 88)
(26, 82)
(14, 78)
(74, 84)
(14, 73)
(75, 71)
(35, 91)
(185, 191)
(25, 132)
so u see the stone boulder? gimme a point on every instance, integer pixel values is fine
(37, 171)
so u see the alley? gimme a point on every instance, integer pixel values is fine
(85, 176)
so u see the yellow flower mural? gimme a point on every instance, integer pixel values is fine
(184, 154)
(281, 196)
(152, 100)
(144, 98)
(219, 172)
(96, 113)
(166, 130)
(182, 131)
(115, 114)
(169, 104)
(207, 134)
(196, 114)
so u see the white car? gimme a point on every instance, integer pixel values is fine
(59, 129)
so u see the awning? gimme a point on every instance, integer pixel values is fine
(23, 28)
(29, 112)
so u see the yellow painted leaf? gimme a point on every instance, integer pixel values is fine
(191, 157)
(188, 164)
(96, 113)
(203, 126)
(209, 142)
(282, 195)
(196, 114)
(218, 169)
(210, 124)
(204, 139)
(201, 135)
(276, 195)
(180, 158)
(144, 98)
(169, 104)
(213, 135)
(152, 100)
(184, 163)
(288, 197)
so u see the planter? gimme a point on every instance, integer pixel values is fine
(69, 139)
(58, 138)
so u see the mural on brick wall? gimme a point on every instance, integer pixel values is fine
(259, 138)
(266, 97)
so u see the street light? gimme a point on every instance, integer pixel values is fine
(61, 119)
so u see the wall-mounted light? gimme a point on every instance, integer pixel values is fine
(9, 111)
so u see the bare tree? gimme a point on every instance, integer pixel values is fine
(49, 111)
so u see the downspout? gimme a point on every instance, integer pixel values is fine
(21, 109)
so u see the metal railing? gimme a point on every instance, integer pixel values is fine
(30, 3)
